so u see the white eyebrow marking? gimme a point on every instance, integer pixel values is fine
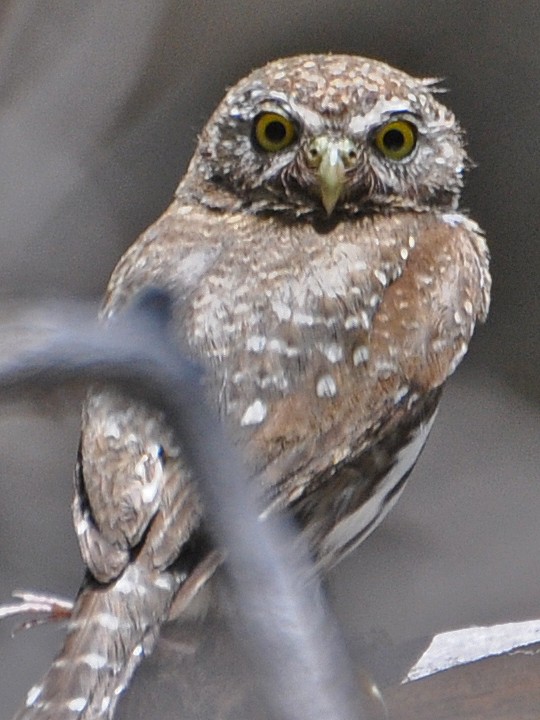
(361, 123)
(310, 118)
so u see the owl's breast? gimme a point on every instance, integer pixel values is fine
(285, 317)
(320, 335)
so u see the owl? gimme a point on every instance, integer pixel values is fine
(322, 273)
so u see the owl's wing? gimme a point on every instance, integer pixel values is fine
(133, 493)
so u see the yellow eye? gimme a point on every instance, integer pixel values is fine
(274, 132)
(396, 140)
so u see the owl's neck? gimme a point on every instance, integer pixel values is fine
(218, 198)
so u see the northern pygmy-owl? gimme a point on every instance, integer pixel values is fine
(324, 276)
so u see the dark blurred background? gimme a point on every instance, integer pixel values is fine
(100, 104)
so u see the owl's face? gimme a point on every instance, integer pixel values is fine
(329, 134)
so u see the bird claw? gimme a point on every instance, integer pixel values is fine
(47, 608)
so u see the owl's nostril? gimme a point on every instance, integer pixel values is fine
(324, 145)
(315, 151)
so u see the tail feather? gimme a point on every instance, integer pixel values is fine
(111, 630)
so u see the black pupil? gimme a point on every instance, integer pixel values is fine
(275, 131)
(394, 139)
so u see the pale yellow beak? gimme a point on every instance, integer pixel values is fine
(331, 158)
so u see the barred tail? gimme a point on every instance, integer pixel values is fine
(112, 628)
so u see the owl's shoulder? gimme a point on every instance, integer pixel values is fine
(173, 253)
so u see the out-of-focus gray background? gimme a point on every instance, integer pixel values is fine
(100, 103)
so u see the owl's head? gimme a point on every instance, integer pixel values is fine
(328, 134)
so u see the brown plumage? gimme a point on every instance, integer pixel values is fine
(324, 276)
